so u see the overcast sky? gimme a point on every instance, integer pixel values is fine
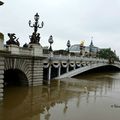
(73, 20)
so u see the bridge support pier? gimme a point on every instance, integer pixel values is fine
(37, 49)
(36, 73)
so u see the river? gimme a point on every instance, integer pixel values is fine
(94, 96)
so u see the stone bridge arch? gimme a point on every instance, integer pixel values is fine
(31, 66)
(19, 66)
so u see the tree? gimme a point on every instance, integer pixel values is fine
(107, 53)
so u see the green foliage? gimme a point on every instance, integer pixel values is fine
(107, 54)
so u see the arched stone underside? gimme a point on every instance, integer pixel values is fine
(19, 64)
(32, 68)
(84, 69)
(15, 77)
(29, 67)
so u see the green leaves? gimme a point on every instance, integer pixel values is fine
(107, 53)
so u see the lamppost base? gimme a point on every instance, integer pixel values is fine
(14, 49)
(37, 49)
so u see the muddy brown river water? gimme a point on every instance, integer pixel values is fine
(89, 97)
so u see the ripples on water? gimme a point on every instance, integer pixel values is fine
(91, 97)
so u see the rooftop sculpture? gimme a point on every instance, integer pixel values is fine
(12, 39)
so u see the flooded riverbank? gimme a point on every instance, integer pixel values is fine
(89, 97)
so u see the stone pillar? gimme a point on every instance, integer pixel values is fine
(1, 41)
(36, 72)
(37, 49)
(1, 77)
(36, 65)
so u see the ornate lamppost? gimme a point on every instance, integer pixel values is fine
(50, 40)
(35, 37)
(68, 61)
(90, 51)
(1, 3)
(68, 45)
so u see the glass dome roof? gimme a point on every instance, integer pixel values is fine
(75, 47)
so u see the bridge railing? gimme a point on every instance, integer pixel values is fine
(24, 51)
(73, 58)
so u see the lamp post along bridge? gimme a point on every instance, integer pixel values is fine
(35, 37)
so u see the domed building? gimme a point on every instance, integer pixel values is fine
(80, 49)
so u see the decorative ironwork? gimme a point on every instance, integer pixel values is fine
(35, 37)
(68, 45)
(50, 40)
(13, 40)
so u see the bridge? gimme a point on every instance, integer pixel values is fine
(30, 66)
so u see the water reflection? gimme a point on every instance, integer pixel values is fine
(86, 98)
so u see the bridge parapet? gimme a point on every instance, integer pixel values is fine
(116, 62)
(32, 50)
(25, 51)
(73, 58)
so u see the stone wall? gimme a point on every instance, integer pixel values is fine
(36, 72)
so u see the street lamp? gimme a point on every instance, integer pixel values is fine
(36, 17)
(1, 3)
(36, 25)
(35, 37)
(68, 45)
(50, 40)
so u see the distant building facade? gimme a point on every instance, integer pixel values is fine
(77, 50)
(90, 50)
